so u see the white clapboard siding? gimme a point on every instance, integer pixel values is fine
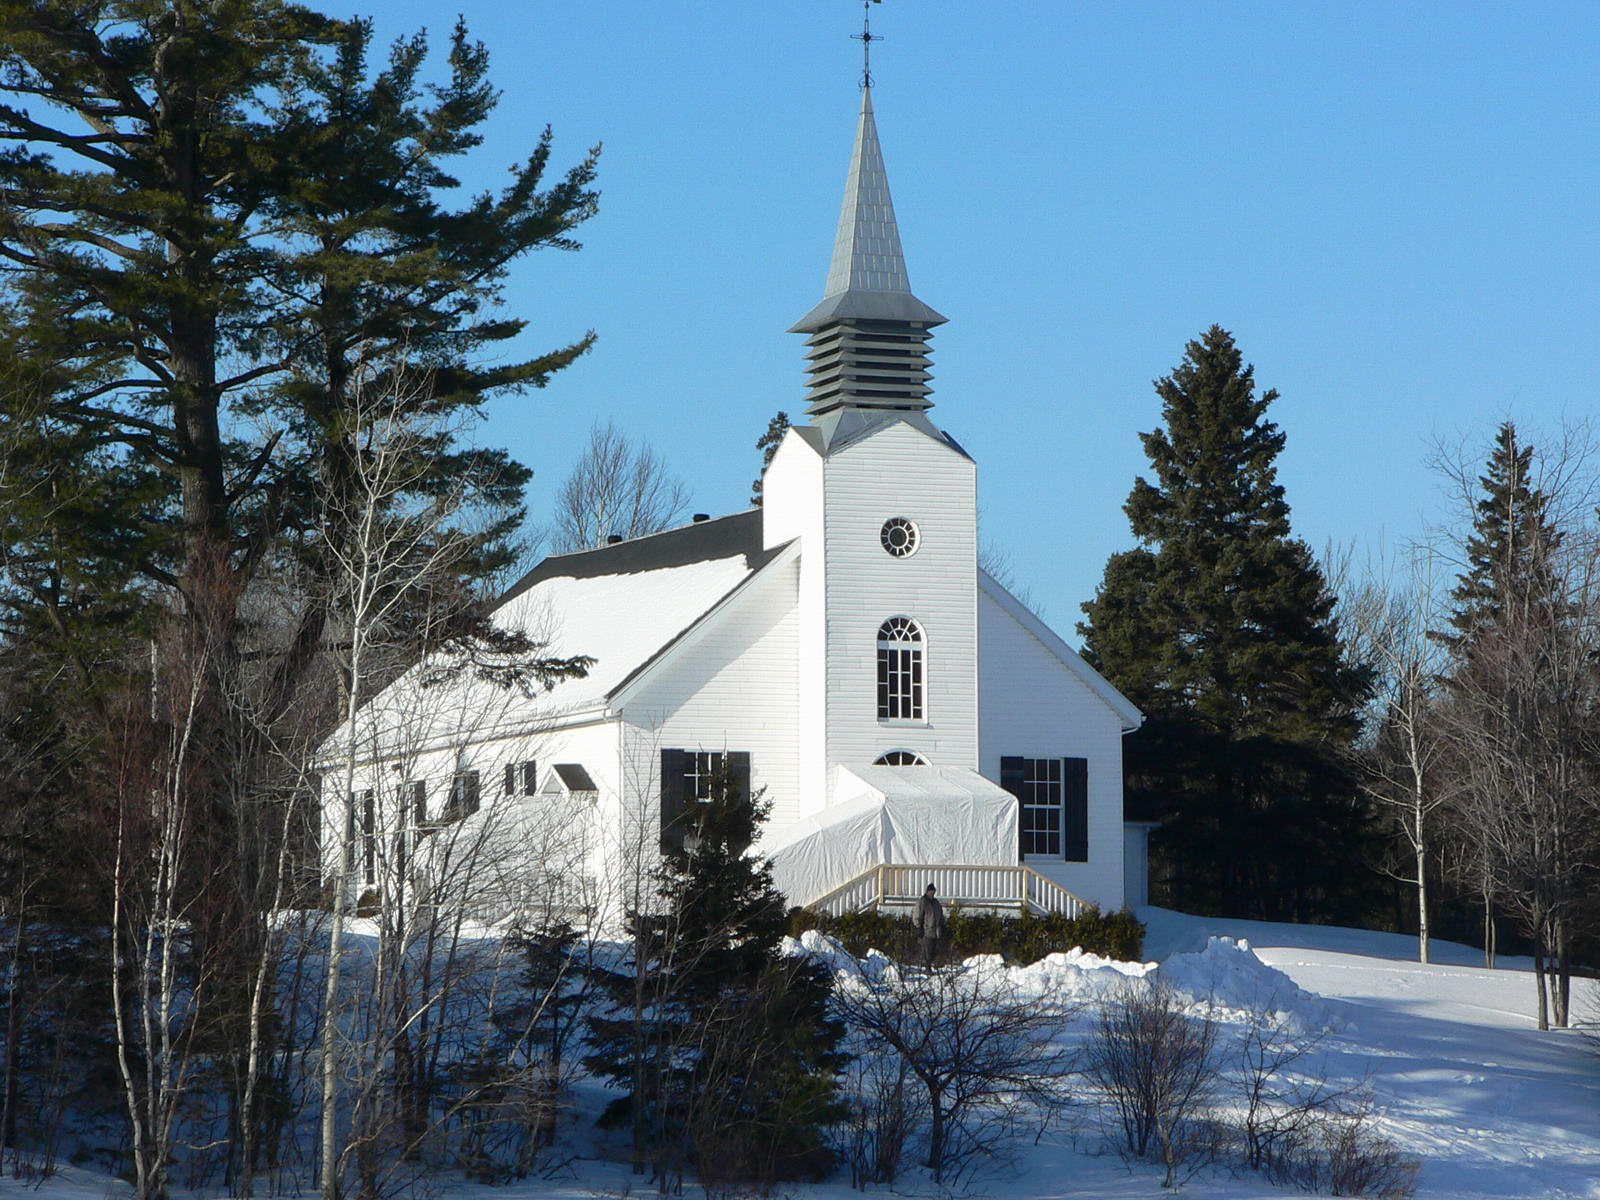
(1036, 706)
(900, 471)
(734, 688)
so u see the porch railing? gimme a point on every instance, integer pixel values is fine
(897, 885)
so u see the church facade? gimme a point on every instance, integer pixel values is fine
(837, 650)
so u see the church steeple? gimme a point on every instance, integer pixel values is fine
(868, 344)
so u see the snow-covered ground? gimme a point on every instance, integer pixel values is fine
(1462, 1079)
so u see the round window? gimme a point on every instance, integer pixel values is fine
(899, 537)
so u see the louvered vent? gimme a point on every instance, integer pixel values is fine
(869, 364)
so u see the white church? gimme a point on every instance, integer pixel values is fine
(837, 650)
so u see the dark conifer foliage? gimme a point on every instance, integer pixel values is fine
(1220, 627)
(229, 238)
(768, 444)
(725, 1051)
(1510, 552)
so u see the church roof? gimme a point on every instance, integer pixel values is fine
(867, 278)
(626, 604)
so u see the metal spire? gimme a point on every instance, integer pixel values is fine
(868, 345)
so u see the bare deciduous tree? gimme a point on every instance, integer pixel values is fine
(1401, 764)
(1523, 690)
(618, 487)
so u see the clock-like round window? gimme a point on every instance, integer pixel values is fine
(899, 537)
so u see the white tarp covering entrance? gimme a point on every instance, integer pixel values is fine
(931, 815)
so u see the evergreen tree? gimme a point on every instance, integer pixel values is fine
(1220, 627)
(1510, 551)
(768, 444)
(1520, 717)
(725, 1052)
(226, 238)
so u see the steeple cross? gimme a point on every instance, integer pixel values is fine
(866, 37)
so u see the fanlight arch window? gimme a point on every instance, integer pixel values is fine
(900, 673)
(900, 758)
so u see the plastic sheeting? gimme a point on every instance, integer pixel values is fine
(929, 815)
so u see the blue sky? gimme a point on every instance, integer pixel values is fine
(1394, 207)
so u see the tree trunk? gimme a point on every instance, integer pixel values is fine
(1422, 890)
(936, 1132)
(1539, 983)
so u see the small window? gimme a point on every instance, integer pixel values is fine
(899, 537)
(900, 670)
(521, 778)
(464, 796)
(900, 758)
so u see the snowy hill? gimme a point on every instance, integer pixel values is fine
(1461, 1079)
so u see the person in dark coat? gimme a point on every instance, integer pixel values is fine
(931, 927)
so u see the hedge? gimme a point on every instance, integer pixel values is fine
(1017, 939)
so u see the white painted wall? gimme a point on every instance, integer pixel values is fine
(733, 687)
(792, 491)
(900, 471)
(1034, 705)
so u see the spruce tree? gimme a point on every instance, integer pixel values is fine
(724, 1051)
(1509, 552)
(1220, 627)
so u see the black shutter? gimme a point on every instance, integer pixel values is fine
(739, 781)
(419, 804)
(1075, 803)
(530, 777)
(673, 803)
(1011, 780)
(511, 779)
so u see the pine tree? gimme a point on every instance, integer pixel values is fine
(1220, 627)
(768, 444)
(725, 1052)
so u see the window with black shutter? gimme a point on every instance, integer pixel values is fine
(690, 777)
(465, 796)
(521, 778)
(1052, 805)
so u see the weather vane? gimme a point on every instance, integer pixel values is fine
(866, 37)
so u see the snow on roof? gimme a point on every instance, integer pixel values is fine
(622, 606)
(622, 621)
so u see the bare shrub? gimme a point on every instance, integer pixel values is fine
(1156, 1065)
(1341, 1151)
(986, 1056)
(1281, 1102)
(885, 1110)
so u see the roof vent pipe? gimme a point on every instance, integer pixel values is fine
(698, 517)
(613, 539)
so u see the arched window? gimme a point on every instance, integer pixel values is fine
(900, 758)
(900, 670)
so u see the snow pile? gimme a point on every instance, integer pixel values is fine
(1227, 974)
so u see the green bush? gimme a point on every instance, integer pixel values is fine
(1017, 939)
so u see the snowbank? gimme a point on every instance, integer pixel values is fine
(1227, 974)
